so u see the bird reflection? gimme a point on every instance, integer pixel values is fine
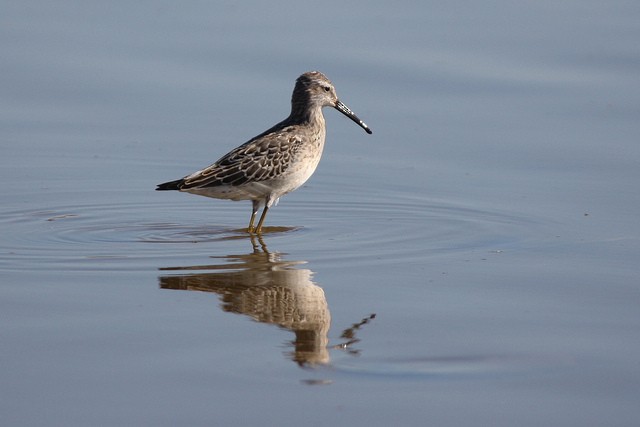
(268, 289)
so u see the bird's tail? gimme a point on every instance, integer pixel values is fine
(171, 185)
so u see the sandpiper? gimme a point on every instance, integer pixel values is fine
(278, 160)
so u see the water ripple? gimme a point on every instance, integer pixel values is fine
(349, 230)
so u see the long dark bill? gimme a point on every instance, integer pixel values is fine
(347, 112)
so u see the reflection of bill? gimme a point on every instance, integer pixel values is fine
(270, 290)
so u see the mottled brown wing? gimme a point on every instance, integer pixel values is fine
(259, 159)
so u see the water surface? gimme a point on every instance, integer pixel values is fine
(474, 261)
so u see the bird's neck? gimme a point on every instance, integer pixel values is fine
(302, 113)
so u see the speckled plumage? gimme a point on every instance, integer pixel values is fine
(278, 160)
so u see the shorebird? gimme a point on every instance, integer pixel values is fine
(278, 160)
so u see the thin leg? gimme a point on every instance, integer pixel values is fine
(262, 217)
(254, 211)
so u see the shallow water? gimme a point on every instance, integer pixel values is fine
(474, 261)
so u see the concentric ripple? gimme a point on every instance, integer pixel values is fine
(346, 229)
(445, 366)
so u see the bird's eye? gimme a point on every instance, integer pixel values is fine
(326, 88)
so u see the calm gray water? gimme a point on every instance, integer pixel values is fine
(475, 261)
